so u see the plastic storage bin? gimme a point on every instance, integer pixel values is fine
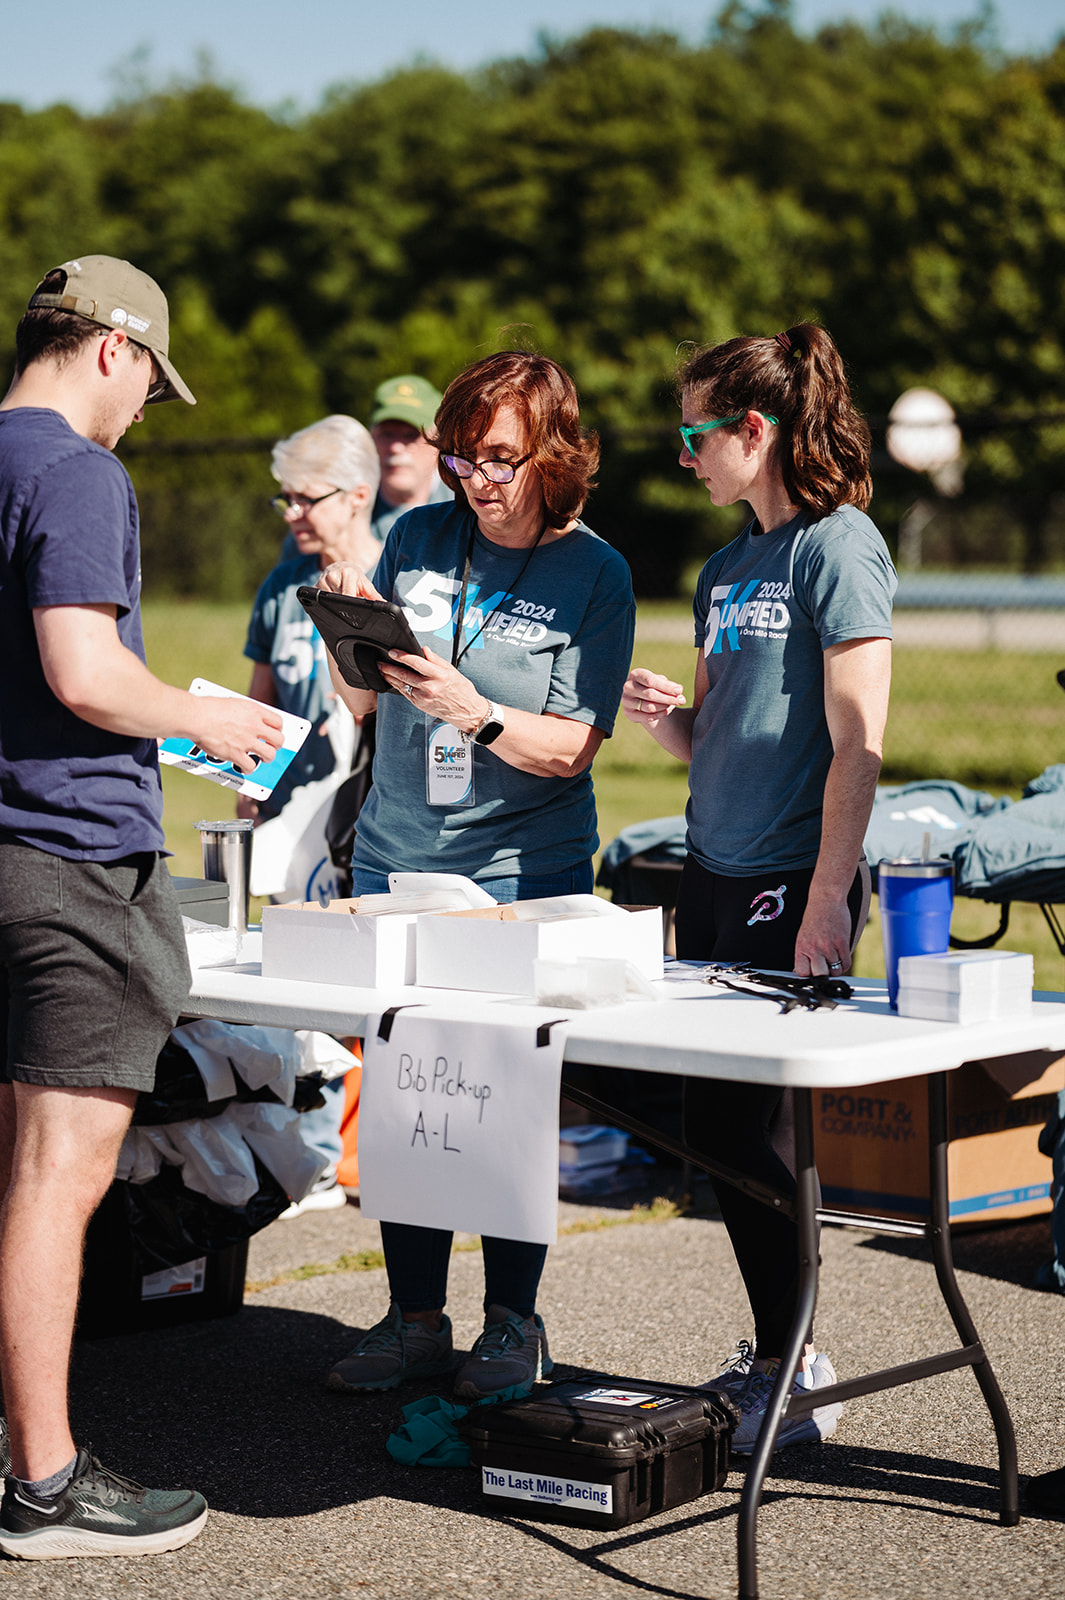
(119, 1296)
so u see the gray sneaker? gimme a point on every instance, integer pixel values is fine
(511, 1353)
(392, 1352)
(732, 1379)
(99, 1513)
(816, 1373)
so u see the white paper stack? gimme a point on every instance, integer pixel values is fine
(966, 985)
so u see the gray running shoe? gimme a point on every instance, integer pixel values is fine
(732, 1379)
(392, 1352)
(98, 1514)
(511, 1353)
(816, 1373)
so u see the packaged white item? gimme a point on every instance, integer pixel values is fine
(590, 1144)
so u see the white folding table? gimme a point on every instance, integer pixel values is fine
(703, 1032)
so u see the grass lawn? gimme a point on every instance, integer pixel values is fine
(990, 720)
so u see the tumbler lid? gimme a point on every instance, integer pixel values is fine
(943, 867)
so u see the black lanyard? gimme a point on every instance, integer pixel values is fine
(456, 653)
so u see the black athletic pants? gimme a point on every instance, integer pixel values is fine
(749, 1126)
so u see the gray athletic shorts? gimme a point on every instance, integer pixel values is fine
(93, 969)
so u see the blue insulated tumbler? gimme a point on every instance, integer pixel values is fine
(916, 900)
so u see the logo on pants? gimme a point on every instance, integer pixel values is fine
(767, 905)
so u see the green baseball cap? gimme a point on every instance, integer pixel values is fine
(116, 294)
(405, 399)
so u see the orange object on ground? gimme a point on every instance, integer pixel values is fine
(348, 1165)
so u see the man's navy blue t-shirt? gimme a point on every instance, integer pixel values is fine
(68, 537)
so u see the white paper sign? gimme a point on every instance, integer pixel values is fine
(458, 1123)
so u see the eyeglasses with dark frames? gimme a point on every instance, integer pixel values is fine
(284, 502)
(491, 471)
(160, 382)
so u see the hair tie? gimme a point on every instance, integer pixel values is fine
(784, 341)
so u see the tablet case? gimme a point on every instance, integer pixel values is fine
(359, 633)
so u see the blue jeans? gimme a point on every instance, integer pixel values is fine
(417, 1259)
(321, 1128)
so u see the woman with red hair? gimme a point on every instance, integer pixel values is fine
(526, 620)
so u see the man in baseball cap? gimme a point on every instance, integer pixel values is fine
(116, 294)
(403, 408)
(93, 970)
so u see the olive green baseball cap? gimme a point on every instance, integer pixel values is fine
(405, 399)
(117, 294)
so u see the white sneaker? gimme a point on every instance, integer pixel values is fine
(816, 1372)
(327, 1195)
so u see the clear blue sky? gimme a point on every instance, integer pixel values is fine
(273, 52)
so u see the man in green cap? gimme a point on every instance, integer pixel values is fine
(93, 970)
(403, 409)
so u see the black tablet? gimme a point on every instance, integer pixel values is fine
(359, 633)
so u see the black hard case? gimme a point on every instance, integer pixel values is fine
(653, 1455)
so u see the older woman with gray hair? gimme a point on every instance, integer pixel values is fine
(328, 474)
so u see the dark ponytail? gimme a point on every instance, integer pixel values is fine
(798, 377)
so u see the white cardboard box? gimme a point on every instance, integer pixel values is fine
(333, 944)
(494, 949)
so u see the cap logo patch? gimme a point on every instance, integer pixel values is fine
(119, 316)
(138, 324)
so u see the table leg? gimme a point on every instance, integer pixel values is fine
(807, 1198)
(939, 1233)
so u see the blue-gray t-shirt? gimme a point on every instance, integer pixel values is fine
(556, 638)
(766, 608)
(68, 537)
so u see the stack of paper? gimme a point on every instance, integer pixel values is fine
(966, 985)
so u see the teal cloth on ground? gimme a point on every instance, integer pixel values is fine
(428, 1435)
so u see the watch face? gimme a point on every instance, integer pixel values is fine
(490, 731)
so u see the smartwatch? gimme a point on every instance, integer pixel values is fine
(490, 726)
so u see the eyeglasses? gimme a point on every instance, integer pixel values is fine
(492, 471)
(158, 386)
(284, 502)
(160, 382)
(687, 434)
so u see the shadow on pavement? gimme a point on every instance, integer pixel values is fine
(1010, 1252)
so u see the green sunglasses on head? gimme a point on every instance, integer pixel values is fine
(687, 434)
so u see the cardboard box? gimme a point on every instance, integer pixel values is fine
(333, 944)
(871, 1144)
(491, 949)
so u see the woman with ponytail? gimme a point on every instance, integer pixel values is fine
(793, 640)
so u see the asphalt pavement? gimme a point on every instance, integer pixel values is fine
(307, 1504)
